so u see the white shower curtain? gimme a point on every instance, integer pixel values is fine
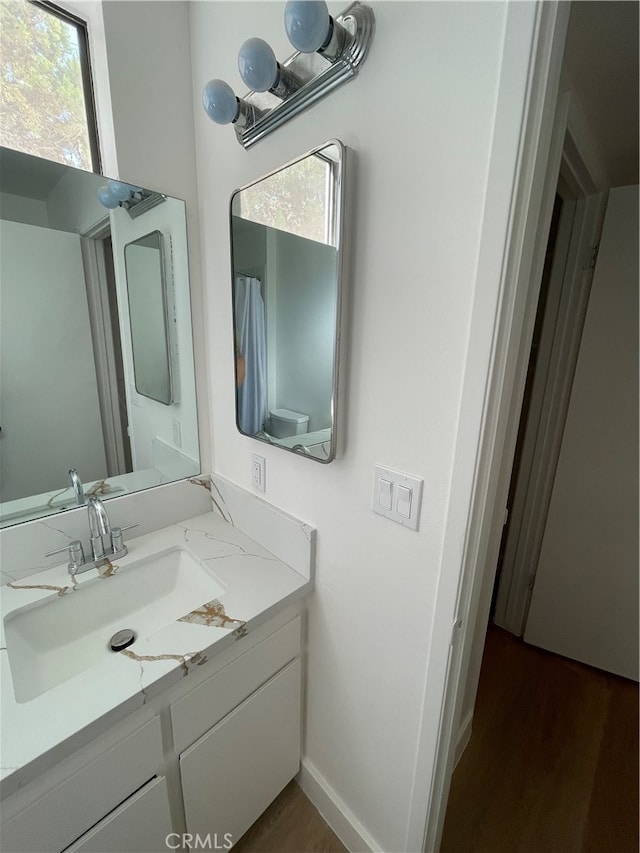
(251, 342)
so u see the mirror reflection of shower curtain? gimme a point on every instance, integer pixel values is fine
(251, 343)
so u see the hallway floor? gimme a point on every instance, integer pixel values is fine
(552, 765)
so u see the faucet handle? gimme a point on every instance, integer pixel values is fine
(75, 552)
(117, 538)
(66, 548)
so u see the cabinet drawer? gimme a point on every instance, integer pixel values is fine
(236, 770)
(141, 824)
(208, 703)
(72, 807)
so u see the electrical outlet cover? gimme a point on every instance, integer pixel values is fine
(258, 472)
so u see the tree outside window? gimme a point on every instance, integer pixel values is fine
(295, 199)
(43, 108)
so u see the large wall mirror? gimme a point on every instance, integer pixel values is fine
(286, 255)
(96, 353)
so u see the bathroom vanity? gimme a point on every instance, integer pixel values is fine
(155, 694)
(158, 695)
(191, 730)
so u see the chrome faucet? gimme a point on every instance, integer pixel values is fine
(99, 530)
(76, 484)
(107, 543)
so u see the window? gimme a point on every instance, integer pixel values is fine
(46, 97)
(296, 199)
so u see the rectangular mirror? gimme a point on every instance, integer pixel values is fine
(286, 256)
(149, 316)
(92, 376)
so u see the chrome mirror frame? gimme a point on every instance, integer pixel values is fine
(339, 201)
(137, 339)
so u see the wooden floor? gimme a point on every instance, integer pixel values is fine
(290, 825)
(552, 766)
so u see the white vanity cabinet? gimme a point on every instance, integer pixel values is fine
(73, 797)
(206, 756)
(142, 824)
(235, 768)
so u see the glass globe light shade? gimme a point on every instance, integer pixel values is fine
(307, 24)
(257, 65)
(119, 190)
(219, 102)
(106, 198)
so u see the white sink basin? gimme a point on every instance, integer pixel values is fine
(50, 641)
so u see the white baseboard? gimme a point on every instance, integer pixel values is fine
(464, 736)
(341, 820)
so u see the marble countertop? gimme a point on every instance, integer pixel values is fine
(36, 734)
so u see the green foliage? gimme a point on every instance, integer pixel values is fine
(42, 108)
(294, 200)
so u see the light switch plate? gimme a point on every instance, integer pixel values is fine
(410, 500)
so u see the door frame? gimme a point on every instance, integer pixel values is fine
(572, 271)
(91, 241)
(522, 194)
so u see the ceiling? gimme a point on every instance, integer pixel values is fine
(21, 174)
(601, 64)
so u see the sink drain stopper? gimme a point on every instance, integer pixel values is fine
(122, 640)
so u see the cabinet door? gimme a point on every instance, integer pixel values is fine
(139, 825)
(238, 768)
(69, 808)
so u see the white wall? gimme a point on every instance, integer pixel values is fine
(17, 208)
(419, 126)
(585, 599)
(50, 406)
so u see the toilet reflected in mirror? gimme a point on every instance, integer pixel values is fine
(286, 255)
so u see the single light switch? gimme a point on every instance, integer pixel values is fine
(385, 493)
(404, 501)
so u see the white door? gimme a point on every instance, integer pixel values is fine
(585, 597)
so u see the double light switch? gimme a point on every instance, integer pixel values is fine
(397, 496)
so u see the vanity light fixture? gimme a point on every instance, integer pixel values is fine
(329, 52)
(134, 200)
